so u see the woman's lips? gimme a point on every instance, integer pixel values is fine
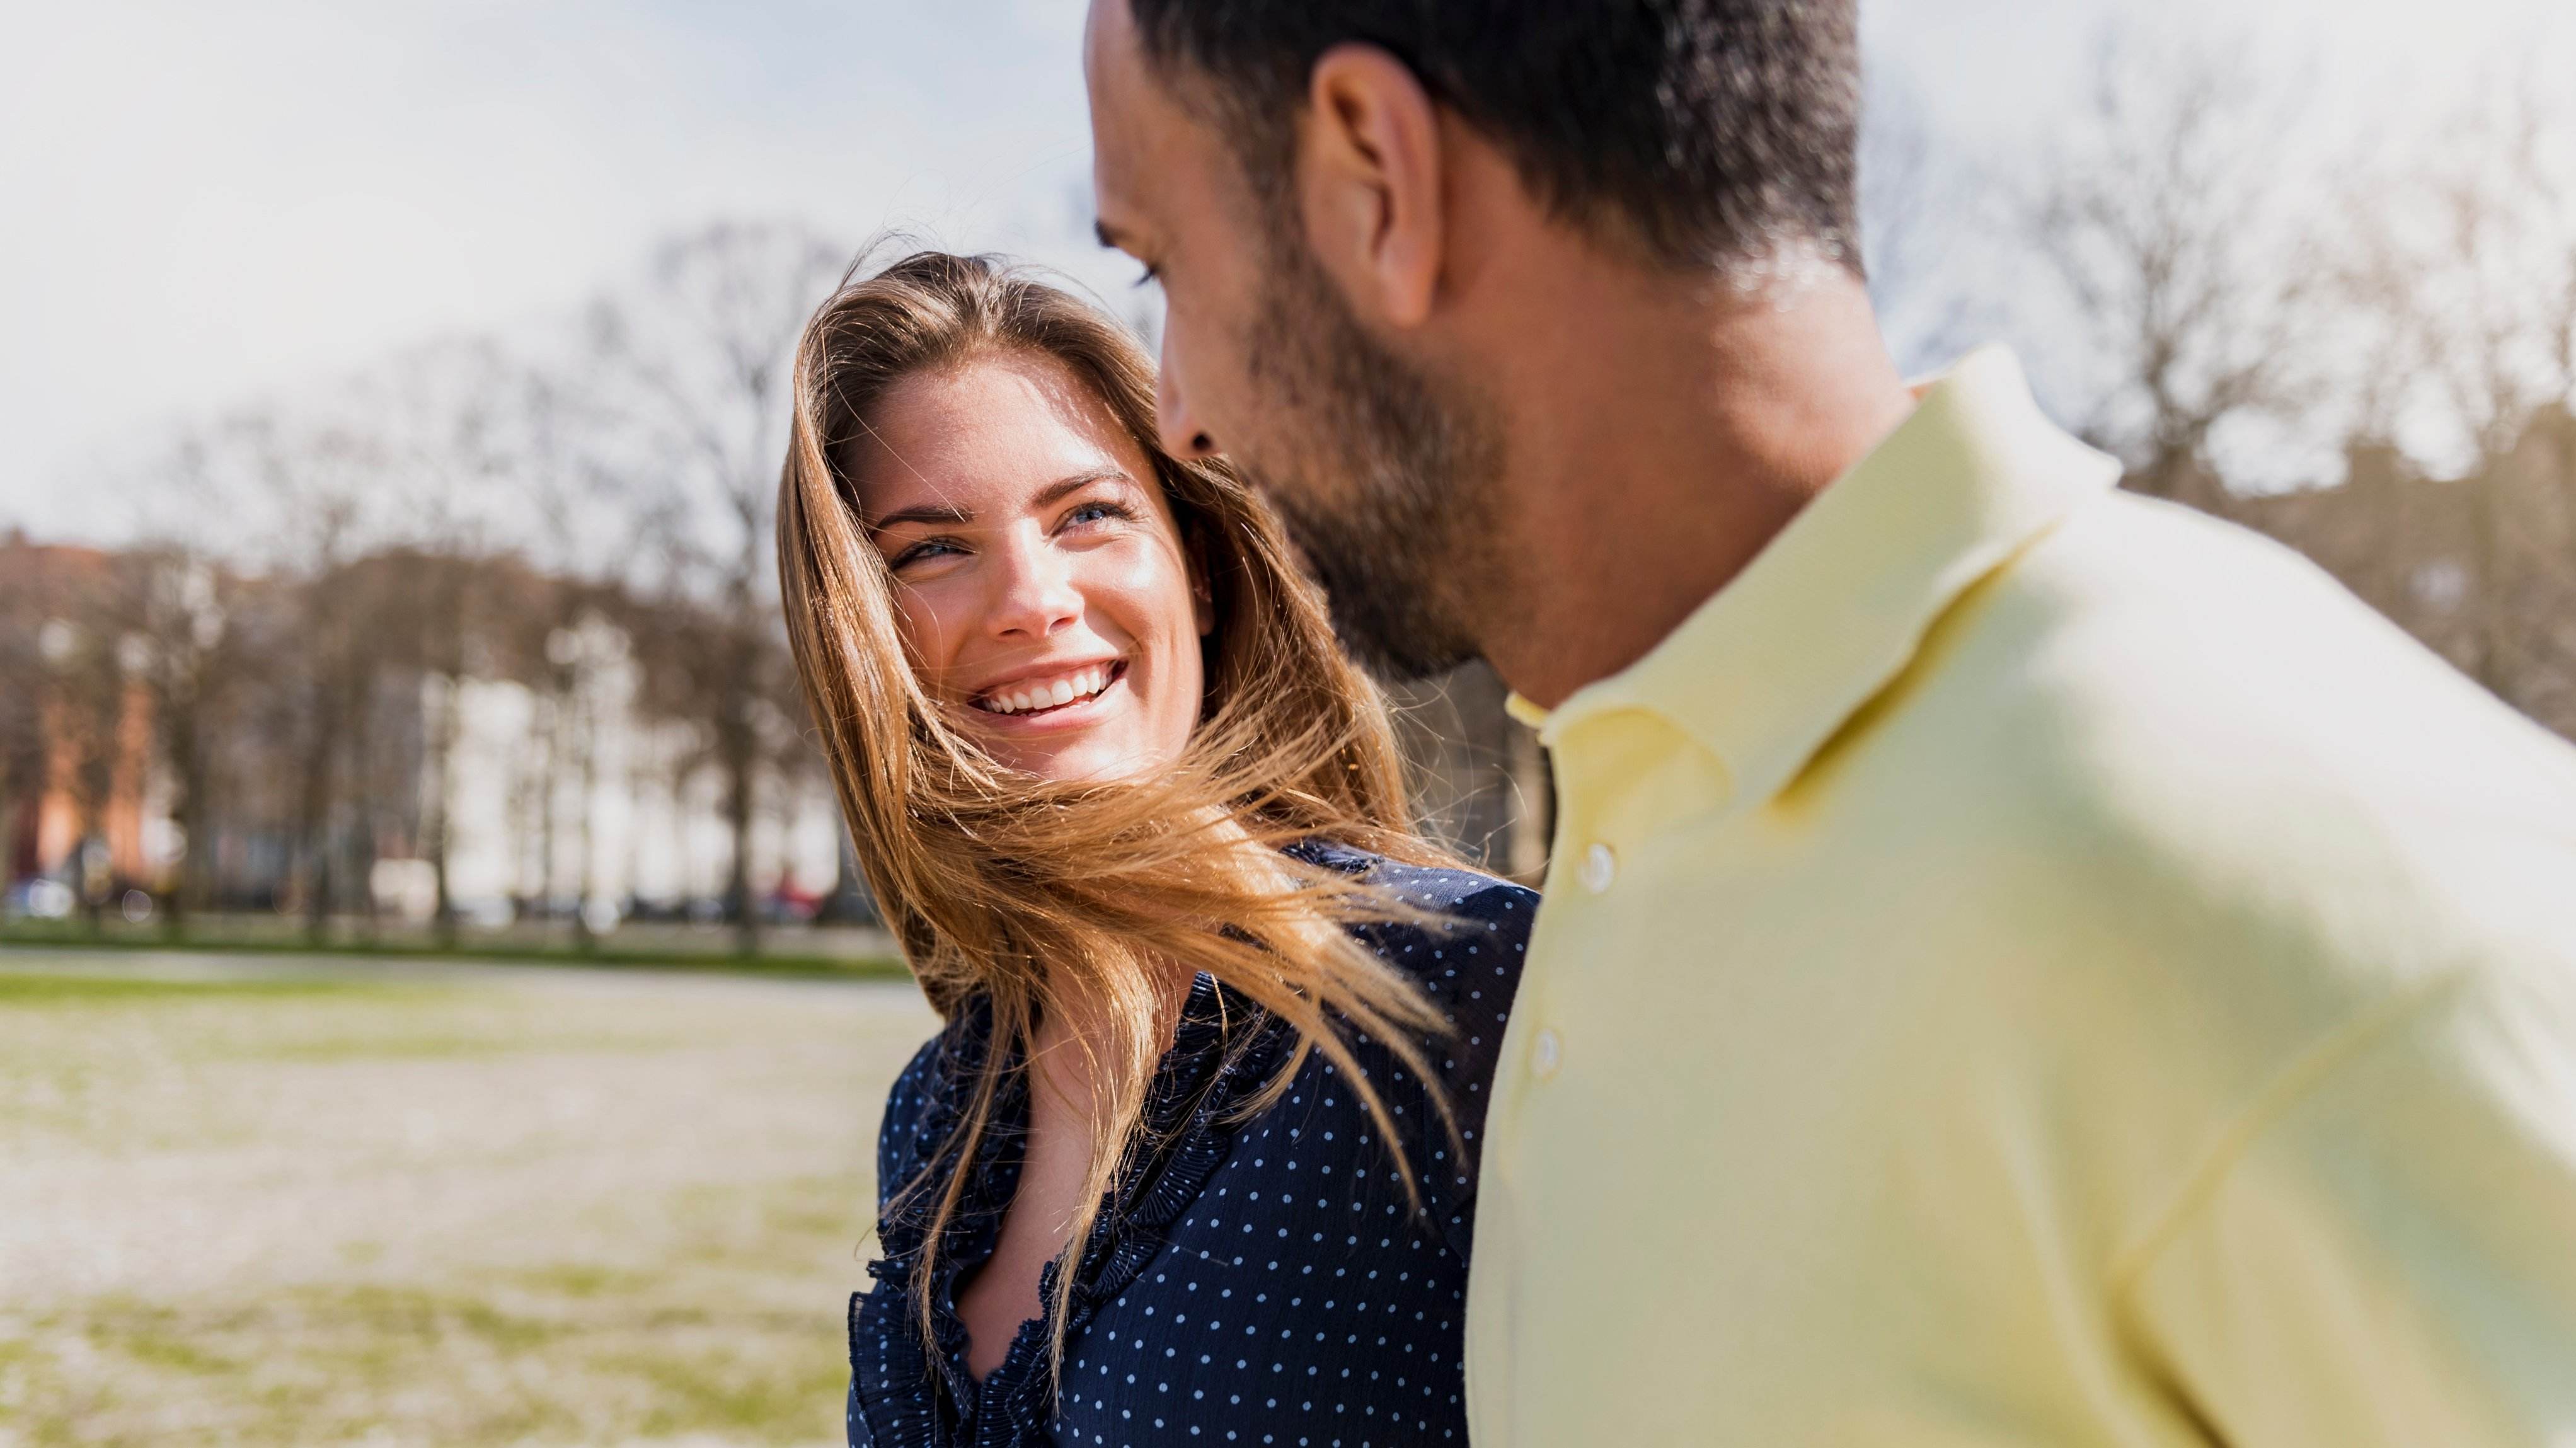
(1032, 698)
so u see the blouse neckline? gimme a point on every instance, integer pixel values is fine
(1224, 1051)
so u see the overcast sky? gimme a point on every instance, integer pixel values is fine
(206, 201)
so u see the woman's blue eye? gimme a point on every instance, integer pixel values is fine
(1093, 512)
(927, 548)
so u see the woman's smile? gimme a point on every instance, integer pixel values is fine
(1053, 695)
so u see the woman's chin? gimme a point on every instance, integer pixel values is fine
(1073, 761)
(1109, 736)
(1074, 756)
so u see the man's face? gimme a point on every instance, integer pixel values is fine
(1384, 477)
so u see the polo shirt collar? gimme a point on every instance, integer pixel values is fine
(1839, 602)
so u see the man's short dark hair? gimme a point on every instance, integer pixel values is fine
(1708, 131)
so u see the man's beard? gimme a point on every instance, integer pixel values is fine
(1385, 481)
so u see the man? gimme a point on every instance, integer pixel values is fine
(2022, 963)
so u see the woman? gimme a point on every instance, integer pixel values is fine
(1191, 1160)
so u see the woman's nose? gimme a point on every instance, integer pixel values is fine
(1037, 594)
(1179, 429)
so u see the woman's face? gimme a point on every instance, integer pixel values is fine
(1044, 592)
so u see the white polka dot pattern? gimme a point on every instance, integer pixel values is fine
(1265, 1281)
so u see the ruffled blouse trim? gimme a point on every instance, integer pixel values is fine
(1224, 1052)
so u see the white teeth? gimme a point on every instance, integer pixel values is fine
(1055, 693)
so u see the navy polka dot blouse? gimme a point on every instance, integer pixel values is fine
(1260, 1281)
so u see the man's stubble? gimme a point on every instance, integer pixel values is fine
(1388, 482)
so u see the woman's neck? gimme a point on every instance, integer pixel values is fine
(1067, 1104)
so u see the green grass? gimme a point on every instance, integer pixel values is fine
(42, 988)
(602, 1289)
(572, 1353)
(580, 1281)
(25, 935)
(394, 1044)
(158, 1347)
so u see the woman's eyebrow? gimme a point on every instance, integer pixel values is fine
(935, 513)
(953, 514)
(1062, 486)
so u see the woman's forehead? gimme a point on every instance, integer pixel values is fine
(985, 436)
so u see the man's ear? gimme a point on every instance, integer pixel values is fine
(1369, 181)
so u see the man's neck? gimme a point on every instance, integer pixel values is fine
(1660, 434)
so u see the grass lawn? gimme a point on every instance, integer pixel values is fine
(275, 1202)
(819, 954)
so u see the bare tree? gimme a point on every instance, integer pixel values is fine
(2492, 254)
(317, 481)
(2464, 269)
(84, 715)
(2168, 211)
(454, 407)
(24, 608)
(2496, 298)
(1920, 206)
(177, 609)
(579, 455)
(704, 351)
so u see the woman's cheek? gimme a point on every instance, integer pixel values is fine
(1157, 590)
(929, 633)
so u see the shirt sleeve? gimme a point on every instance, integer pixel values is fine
(2383, 1252)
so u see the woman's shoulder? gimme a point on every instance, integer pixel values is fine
(1469, 898)
(1467, 960)
(910, 1096)
(1466, 956)
(1473, 907)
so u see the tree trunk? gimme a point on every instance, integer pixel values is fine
(549, 782)
(586, 779)
(95, 785)
(188, 891)
(313, 814)
(364, 801)
(737, 750)
(444, 724)
(2487, 592)
(319, 877)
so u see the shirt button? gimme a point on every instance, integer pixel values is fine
(1543, 1053)
(1599, 868)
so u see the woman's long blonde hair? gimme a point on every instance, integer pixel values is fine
(1044, 897)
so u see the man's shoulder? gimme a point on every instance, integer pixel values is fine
(2229, 755)
(2142, 645)
(2197, 813)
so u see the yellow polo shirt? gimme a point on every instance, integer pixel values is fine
(2029, 965)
